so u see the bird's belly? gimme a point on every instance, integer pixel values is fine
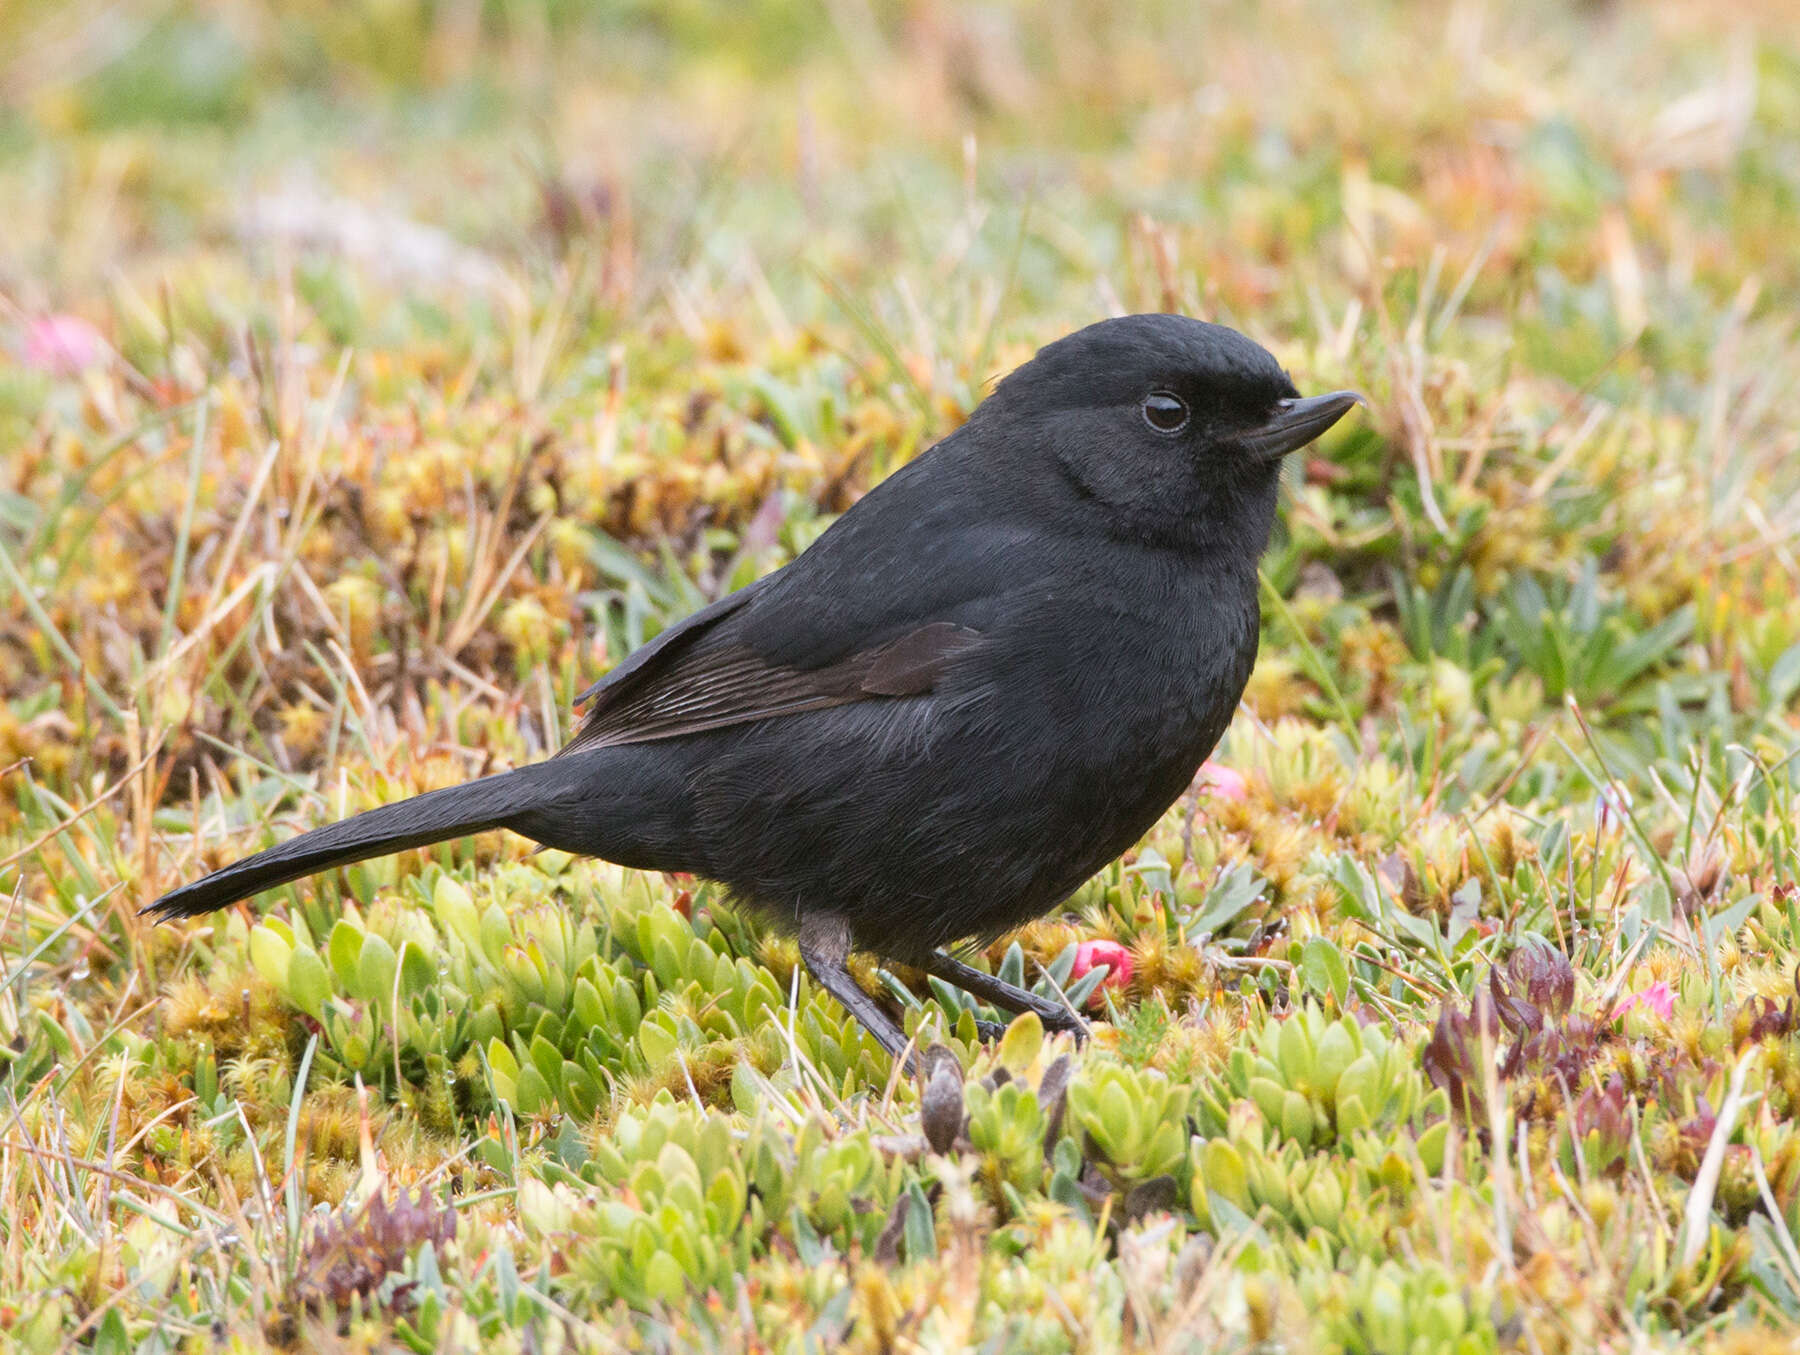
(931, 819)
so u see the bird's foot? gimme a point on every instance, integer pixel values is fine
(1066, 1020)
(990, 1031)
(1055, 1015)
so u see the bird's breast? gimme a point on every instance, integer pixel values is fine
(1129, 679)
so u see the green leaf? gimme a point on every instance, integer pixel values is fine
(1223, 1172)
(1296, 1053)
(376, 966)
(657, 1043)
(1020, 1045)
(532, 1092)
(456, 910)
(308, 981)
(663, 1278)
(590, 1012)
(500, 1058)
(580, 1093)
(1117, 1119)
(1268, 1095)
(920, 1228)
(1784, 678)
(53, 1032)
(1432, 1144)
(1236, 890)
(345, 949)
(1297, 1119)
(269, 955)
(1323, 970)
(495, 934)
(1360, 1081)
(417, 973)
(547, 1058)
(1336, 1051)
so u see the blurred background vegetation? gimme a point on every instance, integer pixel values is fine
(372, 376)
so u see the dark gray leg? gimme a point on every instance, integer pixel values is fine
(824, 947)
(1053, 1014)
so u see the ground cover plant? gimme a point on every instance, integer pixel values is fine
(372, 377)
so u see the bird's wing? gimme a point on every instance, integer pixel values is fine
(670, 643)
(696, 686)
(884, 604)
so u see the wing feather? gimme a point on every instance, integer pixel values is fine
(700, 685)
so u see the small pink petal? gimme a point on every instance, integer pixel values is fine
(1658, 999)
(62, 345)
(1223, 781)
(1092, 954)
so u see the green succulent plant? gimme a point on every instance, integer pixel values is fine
(1394, 1309)
(1319, 1081)
(1254, 1171)
(1134, 1119)
(558, 1006)
(1006, 1126)
(691, 1196)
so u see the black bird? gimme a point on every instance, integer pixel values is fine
(984, 682)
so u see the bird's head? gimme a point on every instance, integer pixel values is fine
(1173, 428)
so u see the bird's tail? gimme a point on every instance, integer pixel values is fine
(455, 811)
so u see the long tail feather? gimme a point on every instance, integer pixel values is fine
(455, 811)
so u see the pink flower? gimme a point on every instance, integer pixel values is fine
(1658, 999)
(1091, 955)
(1220, 780)
(62, 345)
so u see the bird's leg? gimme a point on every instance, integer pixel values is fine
(824, 948)
(1055, 1015)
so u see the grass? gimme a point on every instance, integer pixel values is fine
(437, 356)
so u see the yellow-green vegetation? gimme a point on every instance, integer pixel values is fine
(374, 376)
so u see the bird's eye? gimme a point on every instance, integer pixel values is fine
(1164, 412)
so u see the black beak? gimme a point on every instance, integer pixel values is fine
(1297, 422)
